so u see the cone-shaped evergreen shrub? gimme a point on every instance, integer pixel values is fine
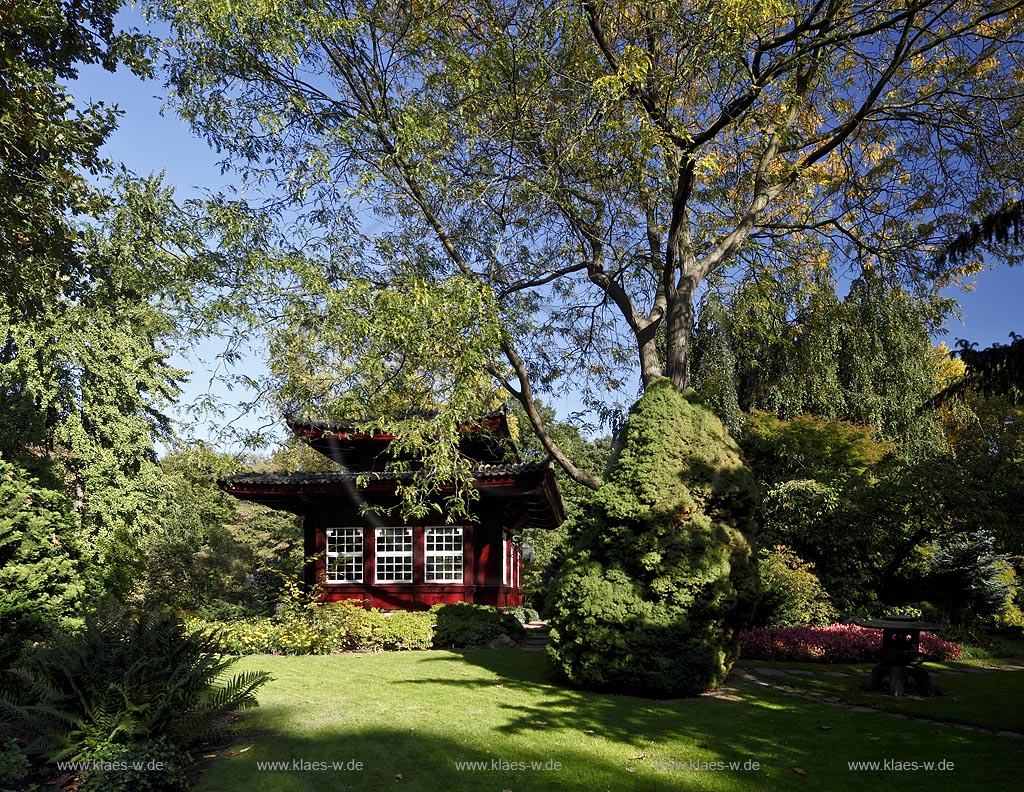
(659, 575)
(40, 579)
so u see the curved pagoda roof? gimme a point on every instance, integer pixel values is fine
(499, 475)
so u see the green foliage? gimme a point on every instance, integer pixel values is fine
(995, 371)
(660, 574)
(14, 764)
(125, 678)
(551, 185)
(210, 551)
(790, 347)
(810, 447)
(523, 615)
(40, 571)
(792, 595)
(464, 624)
(150, 765)
(590, 455)
(970, 580)
(324, 629)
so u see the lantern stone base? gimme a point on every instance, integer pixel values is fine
(898, 676)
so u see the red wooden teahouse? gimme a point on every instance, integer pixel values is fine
(361, 554)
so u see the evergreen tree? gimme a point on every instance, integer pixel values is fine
(41, 583)
(659, 574)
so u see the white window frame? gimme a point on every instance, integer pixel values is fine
(506, 546)
(395, 557)
(446, 553)
(344, 553)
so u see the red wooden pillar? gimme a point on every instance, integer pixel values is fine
(369, 558)
(468, 558)
(418, 563)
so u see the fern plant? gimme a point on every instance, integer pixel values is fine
(127, 677)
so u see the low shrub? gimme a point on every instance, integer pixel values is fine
(524, 615)
(463, 624)
(146, 766)
(837, 643)
(13, 764)
(324, 629)
(791, 594)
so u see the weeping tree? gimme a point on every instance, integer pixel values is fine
(792, 348)
(492, 199)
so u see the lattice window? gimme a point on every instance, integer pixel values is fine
(394, 555)
(344, 555)
(443, 554)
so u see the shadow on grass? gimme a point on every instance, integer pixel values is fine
(464, 723)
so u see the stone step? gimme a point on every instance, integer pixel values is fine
(536, 637)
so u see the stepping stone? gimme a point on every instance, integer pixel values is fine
(770, 672)
(867, 710)
(801, 672)
(834, 674)
(1014, 735)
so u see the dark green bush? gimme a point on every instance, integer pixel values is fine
(40, 577)
(463, 624)
(13, 764)
(127, 677)
(659, 575)
(791, 594)
(146, 766)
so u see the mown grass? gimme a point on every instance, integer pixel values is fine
(968, 692)
(408, 718)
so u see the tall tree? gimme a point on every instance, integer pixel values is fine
(795, 348)
(572, 173)
(91, 280)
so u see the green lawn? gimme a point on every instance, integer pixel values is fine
(990, 700)
(409, 718)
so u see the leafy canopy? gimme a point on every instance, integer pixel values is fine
(582, 168)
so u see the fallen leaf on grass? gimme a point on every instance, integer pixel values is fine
(398, 776)
(630, 769)
(588, 731)
(239, 751)
(799, 771)
(825, 728)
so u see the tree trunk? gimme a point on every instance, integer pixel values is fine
(678, 328)
(650, 362)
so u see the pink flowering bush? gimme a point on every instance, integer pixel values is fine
(837, 643)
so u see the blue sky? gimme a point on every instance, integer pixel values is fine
(149, 140)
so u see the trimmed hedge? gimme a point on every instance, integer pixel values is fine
(837, 643)
(348, 627)
(463, 624)
(325, 629)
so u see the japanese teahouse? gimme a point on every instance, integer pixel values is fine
(380, 561)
